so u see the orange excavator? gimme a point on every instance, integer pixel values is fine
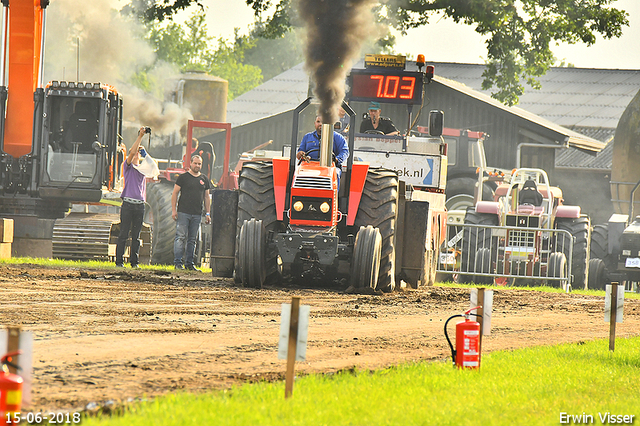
(59, 141)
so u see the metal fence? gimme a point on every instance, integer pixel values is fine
(507, 255)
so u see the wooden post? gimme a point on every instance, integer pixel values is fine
(293, 342)
(613, 316)
(13, 344)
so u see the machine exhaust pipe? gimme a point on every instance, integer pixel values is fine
(326, 145)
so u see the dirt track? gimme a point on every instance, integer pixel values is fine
(120, 334)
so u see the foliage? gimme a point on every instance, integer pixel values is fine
(189, 47)
(272, 55)
(529, 386)
(519, 33)
(228, 62)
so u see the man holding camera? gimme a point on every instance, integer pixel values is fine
(193, 188)
(133, 198)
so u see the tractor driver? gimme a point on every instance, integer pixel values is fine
(311, 142)
(376, 124)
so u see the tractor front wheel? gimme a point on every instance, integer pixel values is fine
(378, 208)
(557, 267)
(252, 253)
(365, 264)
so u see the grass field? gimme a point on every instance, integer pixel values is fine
(536, 386)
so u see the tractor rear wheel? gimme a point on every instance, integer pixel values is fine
(460, 190)
(597, 275)
(365, 264)
(252, 253)
(599, 249)
(256, 200)
(483, 266)
(579, 230)
(474, 239)
(378, 208)
(162, 223)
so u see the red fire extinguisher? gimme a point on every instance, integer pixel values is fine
(467, 351)
(10, 390)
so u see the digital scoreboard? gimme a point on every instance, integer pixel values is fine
(386, 85)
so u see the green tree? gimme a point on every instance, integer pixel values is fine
(228, 62)
(519, 32)
(189, 47)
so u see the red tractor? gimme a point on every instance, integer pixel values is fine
(295, 220)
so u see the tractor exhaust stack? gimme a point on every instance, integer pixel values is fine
(326, 145)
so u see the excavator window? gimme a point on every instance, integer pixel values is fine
(82, 128)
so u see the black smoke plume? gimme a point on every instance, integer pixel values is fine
(335, 32)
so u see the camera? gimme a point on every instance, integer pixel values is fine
(147, 130)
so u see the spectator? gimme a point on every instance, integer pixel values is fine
(374, 123)
(132, 209)
(193, 187)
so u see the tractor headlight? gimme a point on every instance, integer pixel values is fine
(325, 207)
(297, 206)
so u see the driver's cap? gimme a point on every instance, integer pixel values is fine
(374, 106)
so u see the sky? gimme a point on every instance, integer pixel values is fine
(445, 41)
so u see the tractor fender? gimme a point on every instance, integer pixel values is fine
(280, 181)
(568, 211)
(356, 186)
(491, 207)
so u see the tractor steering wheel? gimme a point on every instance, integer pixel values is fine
(305, 156)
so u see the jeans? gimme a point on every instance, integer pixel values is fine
(131, 217)
(187, 228)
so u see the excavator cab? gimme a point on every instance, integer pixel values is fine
(79, 141)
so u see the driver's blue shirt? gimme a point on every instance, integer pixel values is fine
(312, 141)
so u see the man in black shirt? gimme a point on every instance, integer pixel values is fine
(375, 122)
(193, 188)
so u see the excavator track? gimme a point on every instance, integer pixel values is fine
(83, 236)
(93, 236)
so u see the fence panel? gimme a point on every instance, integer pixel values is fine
(484, 254)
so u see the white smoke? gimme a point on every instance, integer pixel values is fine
(111, 50)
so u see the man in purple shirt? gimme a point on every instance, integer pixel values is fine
(133, 198)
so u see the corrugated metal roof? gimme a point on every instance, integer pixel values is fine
(582, 104)
(573, 139)
(604, 93)
(282, 93)
(574, 158)
(608, 91)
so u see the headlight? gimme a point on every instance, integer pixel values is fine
(297, 206)
(325, 207)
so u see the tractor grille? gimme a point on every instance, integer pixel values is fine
(312, 182)
(519, 238)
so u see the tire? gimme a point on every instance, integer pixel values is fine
(474, 239)
(597, 275)
(459, 193)
(162, 224)
(365, 264)
(579, 230)
(599, 248)
(483, 266)
(256, 200)
(252, 253)
(557, 267)
(378, 208)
